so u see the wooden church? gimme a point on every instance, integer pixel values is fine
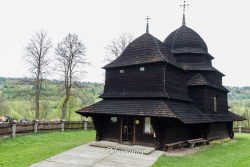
(163, 92)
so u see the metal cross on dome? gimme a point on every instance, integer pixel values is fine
(184, 10)
(147, 18)
(184, 6)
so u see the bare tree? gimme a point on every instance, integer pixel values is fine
(36, 55)
(70, 56)
(117, 46)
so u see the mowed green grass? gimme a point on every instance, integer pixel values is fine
(26, 150)
(234, 153)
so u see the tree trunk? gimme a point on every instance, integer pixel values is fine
(64, 107)
(37, 107)
(37, 98)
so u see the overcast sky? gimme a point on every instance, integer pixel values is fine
(223, 24)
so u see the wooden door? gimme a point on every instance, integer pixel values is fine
(127, 129)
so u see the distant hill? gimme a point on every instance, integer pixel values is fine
(20, 88)
(16, 97)
(16, 88)
(239, 95)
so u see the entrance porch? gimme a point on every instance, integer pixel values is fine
(125, 129)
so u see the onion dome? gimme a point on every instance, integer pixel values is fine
(185, 40)
(144, 49)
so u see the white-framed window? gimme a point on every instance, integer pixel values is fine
(215, 103)
(121, 71)
(147, 126)
(142, 68)
(113, 119)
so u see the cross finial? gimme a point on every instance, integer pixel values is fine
(147, 28)
(184, 10)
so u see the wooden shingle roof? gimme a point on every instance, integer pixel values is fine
(186, 112)
(200, 80)
(144, 49)
(144, 95)
(185, 40)
(199, 67)
(130, 107)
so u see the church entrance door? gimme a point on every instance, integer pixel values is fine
(127, 129)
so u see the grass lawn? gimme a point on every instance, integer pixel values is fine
(26, 150)
(234, 153)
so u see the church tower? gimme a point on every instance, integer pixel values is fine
(204, 81)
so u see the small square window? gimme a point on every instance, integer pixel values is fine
(121, 71)
(113, 119)
(142, 69)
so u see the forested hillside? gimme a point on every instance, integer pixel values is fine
(239, 102)
(16, 99)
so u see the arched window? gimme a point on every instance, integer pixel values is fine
(215, 103)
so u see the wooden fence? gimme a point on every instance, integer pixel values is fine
(19, 128)
(10, 129)
(241, 130)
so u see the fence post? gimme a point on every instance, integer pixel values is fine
(35, 126)
(62, 125)
(240, 129)
(85, 125)
(13, 129)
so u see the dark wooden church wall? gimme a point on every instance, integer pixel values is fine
(192, 58)
(178, 131)
(169, 130)
(196, 93)
(134, 82)
(222, 104)
(111, 131)
(97, 121)
(140, 137)
(176, 82)
(107, 130)
(218, 131)
(172, 130)
(203, 98)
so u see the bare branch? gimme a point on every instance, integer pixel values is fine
(117, 46)
(71, 59)
(35, 55)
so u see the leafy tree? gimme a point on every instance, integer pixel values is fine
(71, 107)
(45, 109)
(4, 109)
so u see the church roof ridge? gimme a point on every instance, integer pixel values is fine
(144, 49)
